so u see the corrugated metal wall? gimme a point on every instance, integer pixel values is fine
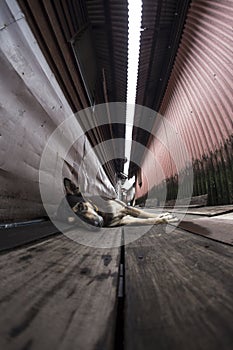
(199, 100)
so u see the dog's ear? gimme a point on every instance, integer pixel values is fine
(67, 185)
(70, 187)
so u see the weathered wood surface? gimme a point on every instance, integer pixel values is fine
(179, 293)
(58, 294)
(207, 211)
(213, 228)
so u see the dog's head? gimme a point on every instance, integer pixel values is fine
(88, 213)
(83, 208)
(71, 188)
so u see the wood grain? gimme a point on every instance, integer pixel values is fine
(58, 294)
(179, 290)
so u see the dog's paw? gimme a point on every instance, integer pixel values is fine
(172, 220)
(168, 218)
(165, 216)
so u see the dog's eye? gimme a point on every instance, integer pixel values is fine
(81, 207)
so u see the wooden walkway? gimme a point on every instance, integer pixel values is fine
(57, 294)
(179, 293)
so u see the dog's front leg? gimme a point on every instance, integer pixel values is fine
(139, 213)
(166, 218)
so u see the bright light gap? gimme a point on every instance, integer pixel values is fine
(135, 16)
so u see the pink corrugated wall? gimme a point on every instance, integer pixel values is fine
(198, 101)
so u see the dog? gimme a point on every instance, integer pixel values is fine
(104, 212)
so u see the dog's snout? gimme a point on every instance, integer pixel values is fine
(99, 222)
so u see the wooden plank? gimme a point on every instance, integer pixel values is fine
(196, 201)
(59, 294)
(179, 290)
(209, 211)
(214, 228)
(13, 237)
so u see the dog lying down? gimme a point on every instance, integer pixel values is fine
(104, 212)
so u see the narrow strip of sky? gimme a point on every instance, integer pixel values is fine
(135, 15)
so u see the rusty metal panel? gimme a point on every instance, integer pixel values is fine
(84, 52)
(199, 99)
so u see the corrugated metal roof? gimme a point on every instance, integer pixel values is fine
(109, 20)
(56, 23)
(162, 25)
